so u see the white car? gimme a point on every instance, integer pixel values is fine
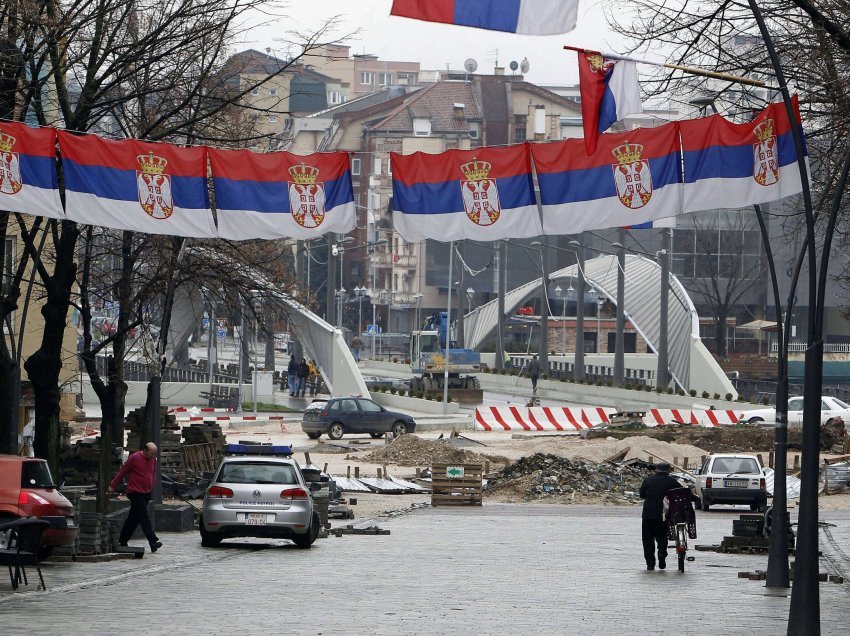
(829, 407)
(731, 479)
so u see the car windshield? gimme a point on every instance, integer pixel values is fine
(35, 474)
(841, 404)
(729, 465)
(257, 473)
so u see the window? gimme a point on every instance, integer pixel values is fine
(272, 92)
(385, 79)
(389, 166)
(367, 78)
(369, 406)
(334, 97)
(519, 132)
(355, 166)
(421, 126)
(376, 166)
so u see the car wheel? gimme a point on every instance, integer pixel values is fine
(755, 420)
(45, 552)
(336, 431)
(399, 429)
(314, 435)
(306, 540)
(704, 504)
(208, 539)
(376, 435)
(755, 506)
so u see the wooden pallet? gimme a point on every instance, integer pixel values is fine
(448, 490)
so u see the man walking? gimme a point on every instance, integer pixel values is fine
(140, 470)
(292, 374)
(356, 346)
(653, 528)
(534, 372)
(303, 374)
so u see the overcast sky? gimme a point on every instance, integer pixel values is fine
(436, 45)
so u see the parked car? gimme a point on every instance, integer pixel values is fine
(340, 415)
(27, 490)
(258, 496)
(731, 479)
(829, 407)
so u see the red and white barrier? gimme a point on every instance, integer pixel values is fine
(194, 410)
(574, 419)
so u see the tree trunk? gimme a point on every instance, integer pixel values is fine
(10, 394)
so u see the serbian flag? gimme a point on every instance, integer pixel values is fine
(136, 185)
(484, 194)
(633, 178)
(730, 165)
(527, 17)
(282, 195)
(28, 181)
(609, 91)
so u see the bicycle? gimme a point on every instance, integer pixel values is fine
(681, 522)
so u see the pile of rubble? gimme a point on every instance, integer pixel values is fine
(411, 450)
(560, 480)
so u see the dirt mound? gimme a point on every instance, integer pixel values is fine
(720, 439)
(560, 479)
(411, 450)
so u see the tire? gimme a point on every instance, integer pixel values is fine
(314, 435)
(681, 556)
(755, 420)
(304, 541)
(399, 429)
(208, 539)
(45, 552)
(704, 504)
(755, 506)
(376, 435)
(336, 430)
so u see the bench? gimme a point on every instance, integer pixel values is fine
(222, 397)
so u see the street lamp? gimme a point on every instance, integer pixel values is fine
(558, 292)
(360, 292)
(340, 294)
(600, 300)
(469, 294)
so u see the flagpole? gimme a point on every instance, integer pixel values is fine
(678, 67)
(448, 332)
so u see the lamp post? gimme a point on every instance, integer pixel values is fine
(558, 293)
(600, 300)
(418, 300)
(360, 292)
(340, 294)
(469, 295)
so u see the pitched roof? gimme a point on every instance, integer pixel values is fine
(436, 102)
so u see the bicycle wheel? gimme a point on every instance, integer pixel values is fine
(681, 561)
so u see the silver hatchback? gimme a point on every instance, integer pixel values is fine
(258, 496)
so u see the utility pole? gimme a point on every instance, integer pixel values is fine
(662, 374)
(544, 308)
(619, 340)
(500, 319)
(581, 290)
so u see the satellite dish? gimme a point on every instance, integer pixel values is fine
(470, 65)
(524, 65)
(514, 66)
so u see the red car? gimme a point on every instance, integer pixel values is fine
(27, 490)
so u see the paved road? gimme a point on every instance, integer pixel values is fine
(500, 569)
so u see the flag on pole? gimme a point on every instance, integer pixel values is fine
(634, 177)
(609, 91)
(526, 17)
(282, 195)
(484, 194)
(28, 181)
(136, 185)
(730, 165)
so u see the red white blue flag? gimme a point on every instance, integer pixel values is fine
(730, 165)
(609, 92)
(136, 185)
(282, 195)
(633, 178)
(527, 17)
(28, 181)
(484, 194)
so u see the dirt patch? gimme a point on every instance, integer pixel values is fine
(721, 439)
(411, 450)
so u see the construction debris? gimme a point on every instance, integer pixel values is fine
(411, 450)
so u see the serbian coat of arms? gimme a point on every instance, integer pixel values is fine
(154, 186)
(632, 176)
(765, 160)
(480, 194)
(306, 196)
(10, 166)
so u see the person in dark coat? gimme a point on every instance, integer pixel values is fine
(653, 528)
(292, 374)
(303, 374)
(534, 372)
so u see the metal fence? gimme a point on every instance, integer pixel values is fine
(141, 372)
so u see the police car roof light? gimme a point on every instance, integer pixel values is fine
(267, 450)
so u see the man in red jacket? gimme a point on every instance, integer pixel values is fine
(140, 470)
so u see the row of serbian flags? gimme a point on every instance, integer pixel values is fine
(487, 193)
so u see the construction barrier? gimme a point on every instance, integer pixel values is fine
(574, 419)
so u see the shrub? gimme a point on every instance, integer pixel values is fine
(693, 392)
(728, 397)
(680, 392)
(716, 396)
(609, 383)
(545, 376)
(395, 360)
(648, 388)
(659, 389)
(705, 395)
(392, 390)
(765, 401)
(669, 390)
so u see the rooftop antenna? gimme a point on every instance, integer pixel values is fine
(495, 53)
(470, 65)
(514, 65)
(524, 66)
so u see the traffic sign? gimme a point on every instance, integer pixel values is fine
(373, 330)
(454, 472)
(221, 333)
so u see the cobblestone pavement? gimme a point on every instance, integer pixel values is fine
(500, 569)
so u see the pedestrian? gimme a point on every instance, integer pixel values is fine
(356, 346)
(653, 527)
(303, 374)
(140, 470)
(534, 372)
(292, 374)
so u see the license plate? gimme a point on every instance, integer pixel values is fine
(255, 519)
(736, 483)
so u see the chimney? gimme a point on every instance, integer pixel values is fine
(459, 110)
(499, 70)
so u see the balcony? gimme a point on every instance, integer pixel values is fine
(405, 260)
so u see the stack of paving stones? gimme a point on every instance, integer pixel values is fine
(68, 552)
(205, 433)
(169, 443)
(80, 462)
(90, 539)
